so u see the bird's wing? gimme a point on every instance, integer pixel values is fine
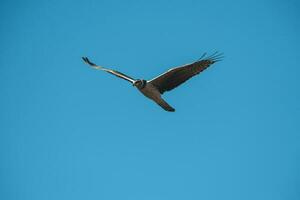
(114, 72)
(176, 76)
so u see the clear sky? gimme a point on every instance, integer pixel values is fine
(70, 132)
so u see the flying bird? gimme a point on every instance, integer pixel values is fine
(154, 88)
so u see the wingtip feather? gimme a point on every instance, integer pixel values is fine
(86, 60)
(215, 57)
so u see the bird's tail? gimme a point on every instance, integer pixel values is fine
(164, 105)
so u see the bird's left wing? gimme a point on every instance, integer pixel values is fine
(114, 72)
(176, 76)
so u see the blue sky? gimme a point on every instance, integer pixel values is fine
(71, 132)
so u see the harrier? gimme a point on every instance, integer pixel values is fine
(154, 88)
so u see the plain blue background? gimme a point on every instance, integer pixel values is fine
(71, 132)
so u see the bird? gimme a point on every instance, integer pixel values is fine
(156, 87)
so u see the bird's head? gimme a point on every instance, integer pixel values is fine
(139, 83)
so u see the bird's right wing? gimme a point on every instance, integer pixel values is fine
(176, 76)
(114, 72)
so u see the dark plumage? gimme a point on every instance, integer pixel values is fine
(166, 81)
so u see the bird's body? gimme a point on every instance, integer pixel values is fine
(154, 88)
(153, 93)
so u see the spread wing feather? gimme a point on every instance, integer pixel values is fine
(114, 72)
(176, 76)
